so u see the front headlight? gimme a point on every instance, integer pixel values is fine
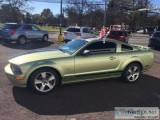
(15, 68)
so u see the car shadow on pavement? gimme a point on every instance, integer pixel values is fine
(28, 45)
(97, 96)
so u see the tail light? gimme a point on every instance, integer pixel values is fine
(13, 32)
(78, 34)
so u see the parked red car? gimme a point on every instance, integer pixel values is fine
(118, 35)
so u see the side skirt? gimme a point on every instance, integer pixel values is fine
(90, 77)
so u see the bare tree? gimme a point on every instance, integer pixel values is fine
(12, 10)
(75, 10)
(21, 4)
(47, 16)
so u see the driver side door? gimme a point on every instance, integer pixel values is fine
(101, 59)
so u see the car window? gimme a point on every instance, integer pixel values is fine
(27, 27)
(101, 47)
(86, 30)
(72, 46)
(34, 28)
(116, 33)
(126, 48)
(11, 26)
(73, 30)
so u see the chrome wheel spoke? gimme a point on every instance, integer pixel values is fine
(135, 68)
(38, 81)
(130, 76)
(42, 87)
(50, 85)
(43, 75)
(51, 78)
(134, 77)
(136, 73)
(130, 71)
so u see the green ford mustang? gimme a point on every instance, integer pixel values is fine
(78, 60)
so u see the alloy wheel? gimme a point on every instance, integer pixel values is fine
(133, 73)
(45, 81)
(22, 40)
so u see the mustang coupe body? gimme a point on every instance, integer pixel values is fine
(79, 60)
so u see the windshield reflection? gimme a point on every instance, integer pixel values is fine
(72, 46)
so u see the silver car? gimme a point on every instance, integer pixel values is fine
(21, 33)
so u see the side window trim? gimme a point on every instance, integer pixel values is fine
(130, 48)
(102, 51)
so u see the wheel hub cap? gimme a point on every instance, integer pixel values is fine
(133, 73)
(44, 82)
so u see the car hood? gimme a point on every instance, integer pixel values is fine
(37, 55)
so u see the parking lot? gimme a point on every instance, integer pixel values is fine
(83, 101)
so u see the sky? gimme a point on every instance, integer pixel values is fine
(55, 7)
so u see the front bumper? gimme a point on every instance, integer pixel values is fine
(12, 77)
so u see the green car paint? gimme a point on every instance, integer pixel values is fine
(74, 67)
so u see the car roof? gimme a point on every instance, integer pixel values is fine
(19, 24)
(10, 23)
(78, 27)
(107, 39)
(116, 30)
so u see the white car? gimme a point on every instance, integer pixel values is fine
(73, 32)
(140, 31)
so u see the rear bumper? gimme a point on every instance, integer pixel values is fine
(7, 39)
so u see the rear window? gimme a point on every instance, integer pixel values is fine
(73, 30)
(11, 26)
(116, 33)
(126, 48)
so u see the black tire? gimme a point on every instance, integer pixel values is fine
(132, 73)
(45, 38)
(21, 40)
(44, 81)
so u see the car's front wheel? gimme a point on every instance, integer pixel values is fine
(44, 81)
(132, 73)
(45, 38)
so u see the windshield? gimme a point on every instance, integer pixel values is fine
(72, 46)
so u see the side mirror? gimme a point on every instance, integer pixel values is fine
(86, 52)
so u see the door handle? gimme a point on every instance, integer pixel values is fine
(112, 58)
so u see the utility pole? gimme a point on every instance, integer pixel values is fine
(60, 31)
(104, 21)
(60, 36)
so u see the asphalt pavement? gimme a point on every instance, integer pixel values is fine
(83, 101)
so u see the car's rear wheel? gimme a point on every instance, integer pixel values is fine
(44, 81)
(45, 38)
(22, 40)
(132, 73)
